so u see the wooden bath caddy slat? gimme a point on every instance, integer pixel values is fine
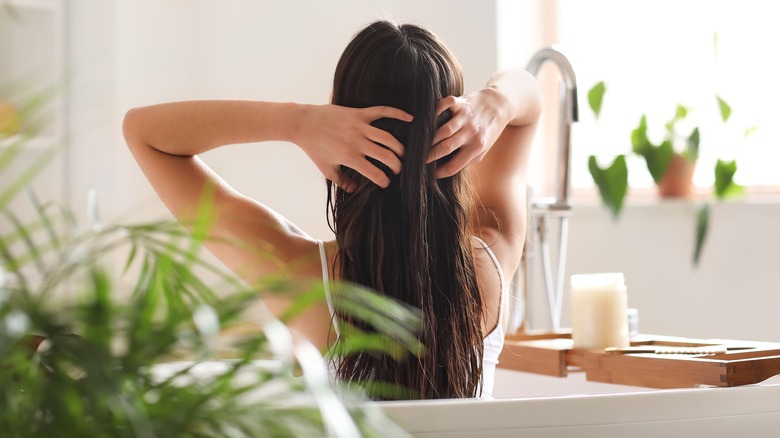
(551, 353)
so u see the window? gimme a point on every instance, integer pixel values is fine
(654, 55)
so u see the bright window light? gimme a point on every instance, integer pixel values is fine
(654, 55)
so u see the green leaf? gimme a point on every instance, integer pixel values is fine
(725, 109)
(356, 341)
(611, 181)
(27, 176)
(734, 190)
(702, 225)
(693, 146)
(658, 159)
(749, 131)
(725, 186)
(387, 390)
(639, 140)
(130, 257)
(203, 222)
(680, 113)
(385, 315)
(595, 98)
(303, 302)
(11, 151)
(35, 252)
(715, 44)
(40, 210)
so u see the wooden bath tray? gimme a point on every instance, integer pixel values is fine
(551, 353)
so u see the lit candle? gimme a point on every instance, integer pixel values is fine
(598, 311)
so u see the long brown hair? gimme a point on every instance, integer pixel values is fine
(412, 240)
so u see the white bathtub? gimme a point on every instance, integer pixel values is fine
(531, 405)
(571, 407)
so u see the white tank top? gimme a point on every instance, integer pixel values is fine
(493, 343)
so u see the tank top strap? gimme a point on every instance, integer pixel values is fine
(326, 285)
(500, 279)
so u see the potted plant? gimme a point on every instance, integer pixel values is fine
(671, 163)
(76, 360)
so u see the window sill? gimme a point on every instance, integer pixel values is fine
(649, 196)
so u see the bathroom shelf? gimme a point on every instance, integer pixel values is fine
(551, 353)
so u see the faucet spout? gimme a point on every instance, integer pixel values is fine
(569, 114)
(547, 212)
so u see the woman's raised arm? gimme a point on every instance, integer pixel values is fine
(165, 140)
(491, 132)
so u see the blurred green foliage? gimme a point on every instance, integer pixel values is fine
(76, 359)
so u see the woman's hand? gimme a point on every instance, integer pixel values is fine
(475, 125)
(333, 136)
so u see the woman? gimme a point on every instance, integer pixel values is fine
(419, 180)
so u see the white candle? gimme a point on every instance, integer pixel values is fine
(598, 311)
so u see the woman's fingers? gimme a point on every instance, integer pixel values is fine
(371, 172)
(386, 139)
(378, 112)
(342, 136)
(381, 146)
(448, 103)
(384, 156)
(448, 146)
(449, 136)
(462, 159)
(448, 129)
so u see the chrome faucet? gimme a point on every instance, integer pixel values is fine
(569, 115)
(543, 210)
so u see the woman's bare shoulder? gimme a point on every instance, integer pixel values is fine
(506, 244)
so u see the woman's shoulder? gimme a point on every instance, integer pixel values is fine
(327, 252)
(505, 247)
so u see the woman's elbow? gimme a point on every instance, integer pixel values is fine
(130, 127)
(532, 100)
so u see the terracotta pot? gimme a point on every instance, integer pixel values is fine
(678, 180)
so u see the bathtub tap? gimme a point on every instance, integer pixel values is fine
(569, 114)
(545, 211)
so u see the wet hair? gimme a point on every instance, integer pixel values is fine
(412, 240)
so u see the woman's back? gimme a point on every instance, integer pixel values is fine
(494, 294)
(414, 175)
(413, 239)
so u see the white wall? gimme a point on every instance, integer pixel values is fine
(267, 50)
(94, 148)
(134, 52)
(733, 294)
